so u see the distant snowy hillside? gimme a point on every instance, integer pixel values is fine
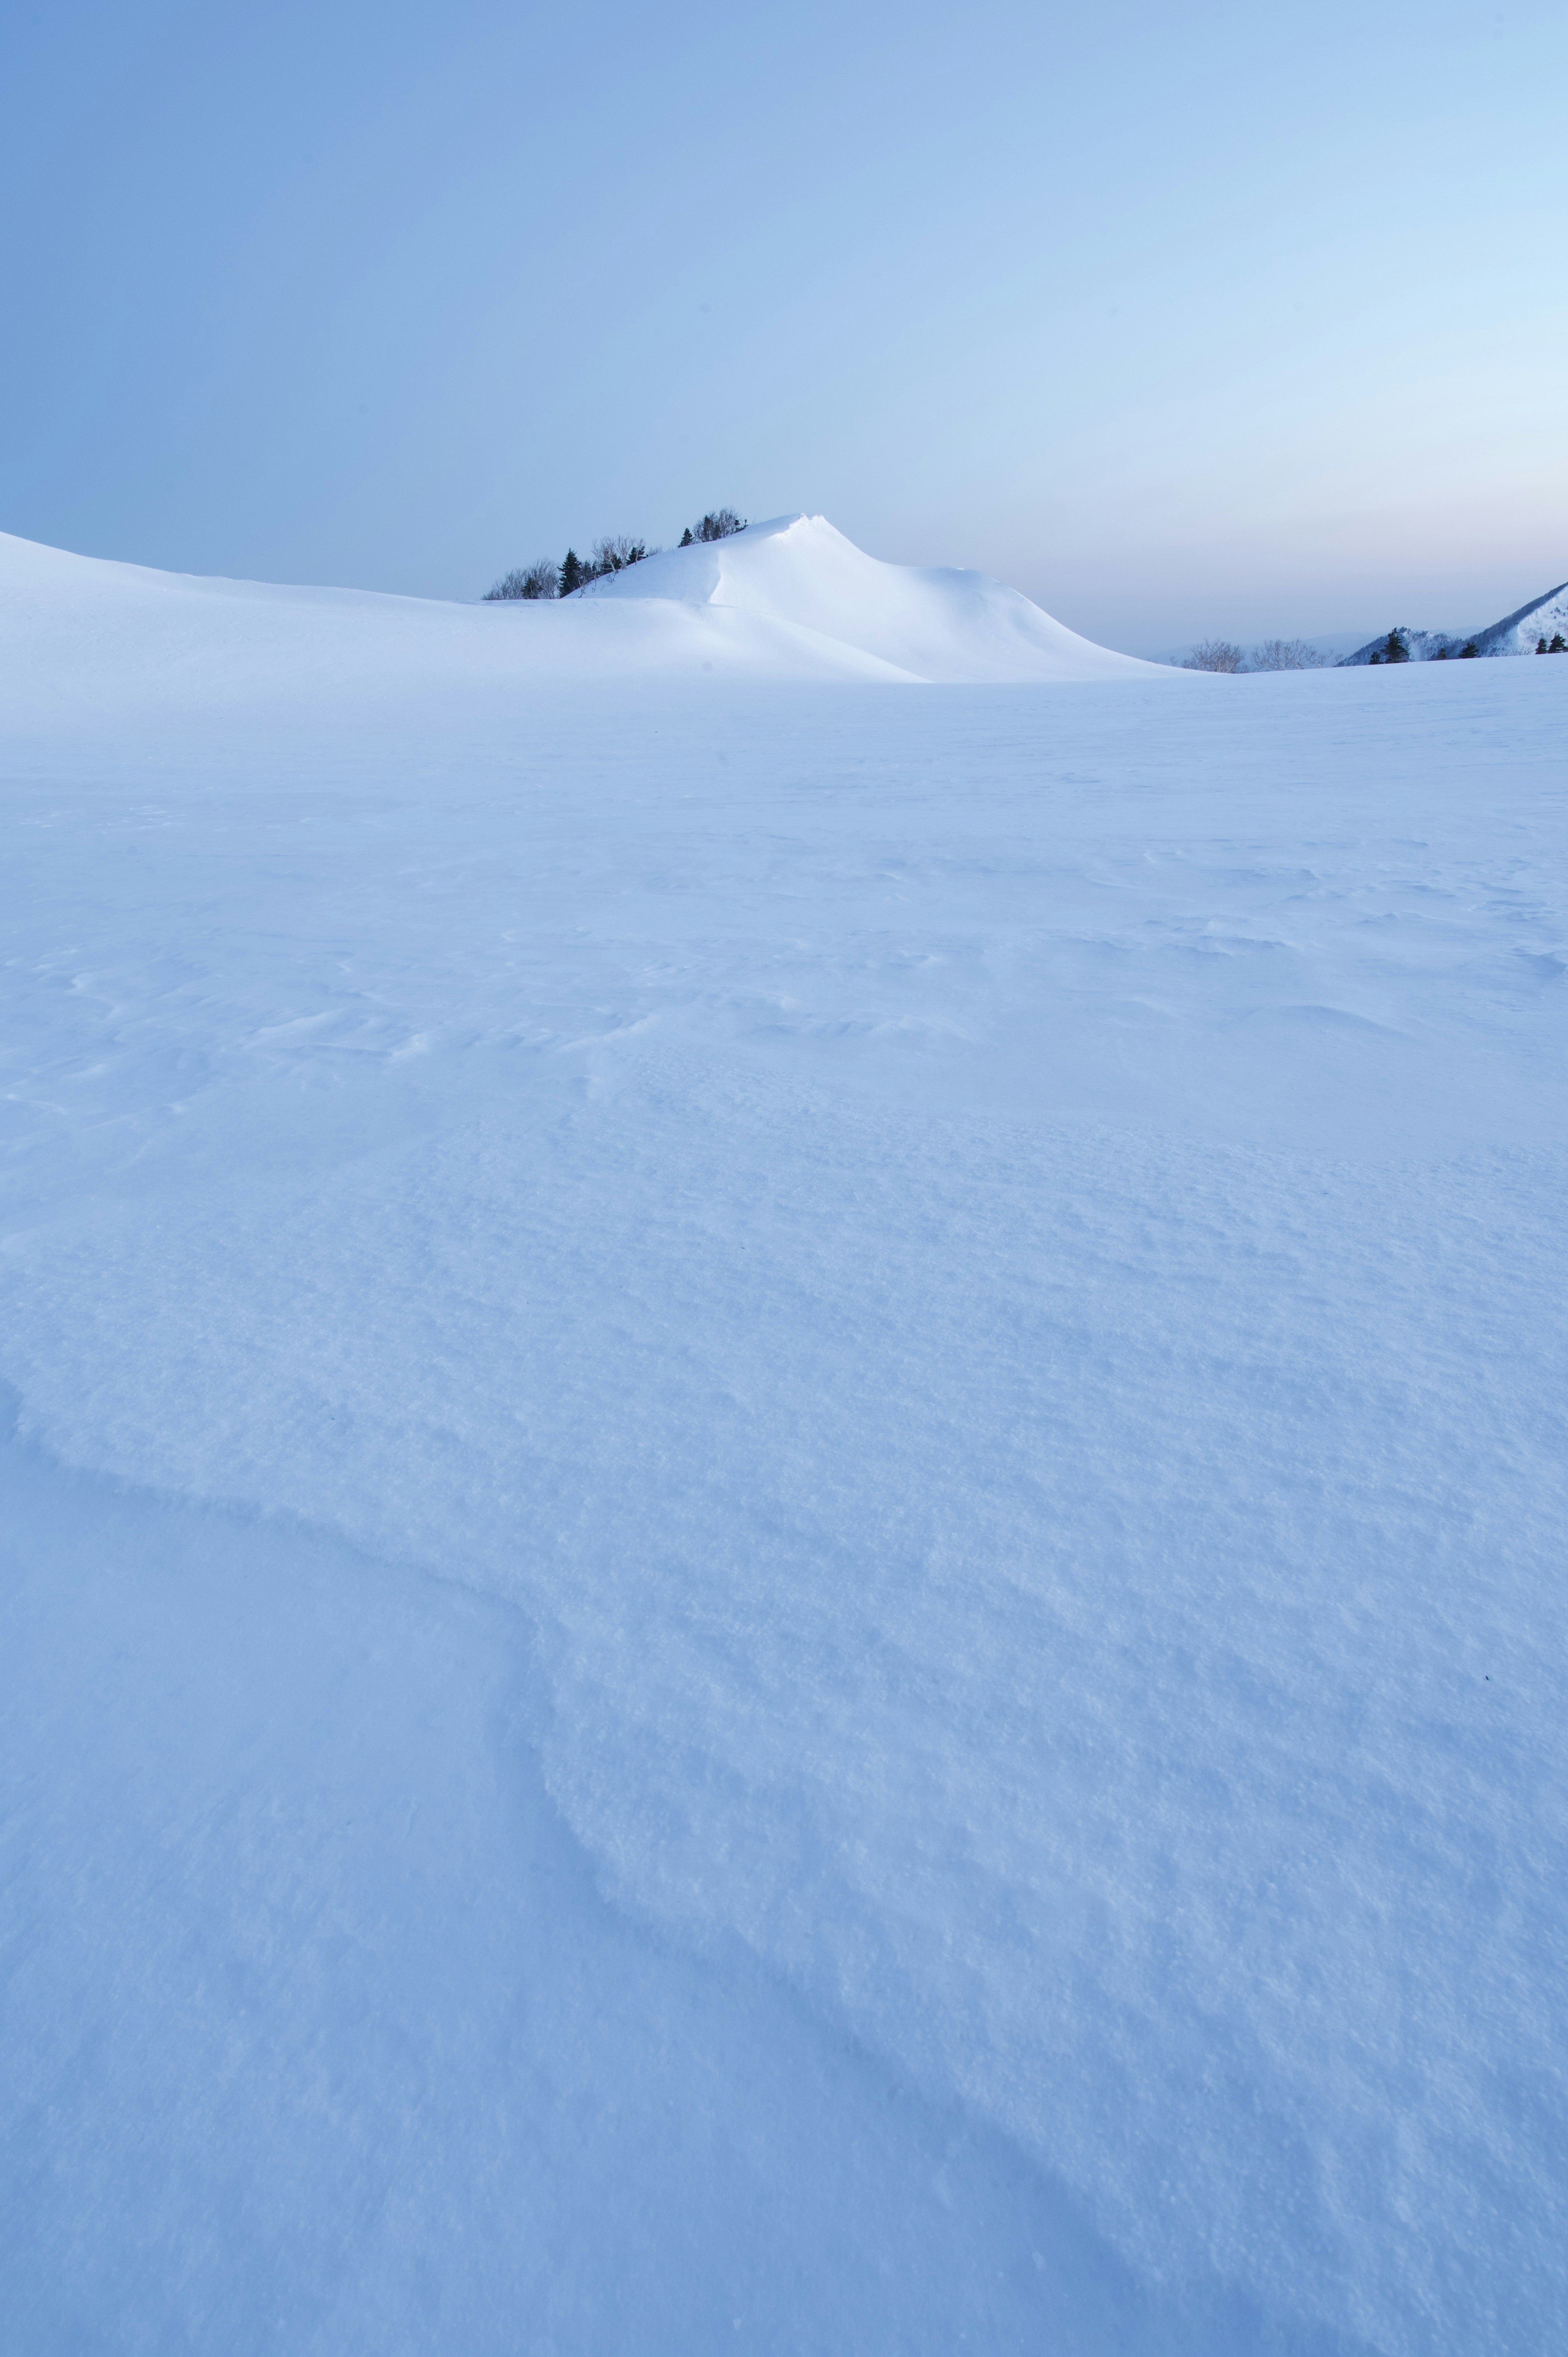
(1516, 634)
(1519, 633)
(1421, 646)
(933, 622)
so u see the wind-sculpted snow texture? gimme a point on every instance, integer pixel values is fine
(783, 1537)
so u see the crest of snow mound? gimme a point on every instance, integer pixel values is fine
(933, 623)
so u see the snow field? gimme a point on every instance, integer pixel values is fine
(902, 1353)
(320, 2036)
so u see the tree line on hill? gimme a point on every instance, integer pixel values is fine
(546, 578)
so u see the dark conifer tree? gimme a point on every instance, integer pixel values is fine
(574, 573)
(686, 537)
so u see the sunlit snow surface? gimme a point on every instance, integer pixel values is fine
(783, 1541)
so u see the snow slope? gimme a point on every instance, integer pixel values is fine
(783, 1533)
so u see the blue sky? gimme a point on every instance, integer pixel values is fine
(1211, 319)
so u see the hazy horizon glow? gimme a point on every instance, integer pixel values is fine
(1227, 324)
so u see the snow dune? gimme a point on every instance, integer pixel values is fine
(782, 1533)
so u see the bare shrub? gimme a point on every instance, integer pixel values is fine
(614, 554)
(1286, 654)
(525, 581)
(1215, 654)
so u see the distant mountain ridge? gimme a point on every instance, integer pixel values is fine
(1516, 634)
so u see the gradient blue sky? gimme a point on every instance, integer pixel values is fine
(1211, 319)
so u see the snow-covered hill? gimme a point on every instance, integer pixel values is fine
(782, 1482)
(935, 624)
(788, 600)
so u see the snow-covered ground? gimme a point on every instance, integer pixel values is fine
(783, 1516)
